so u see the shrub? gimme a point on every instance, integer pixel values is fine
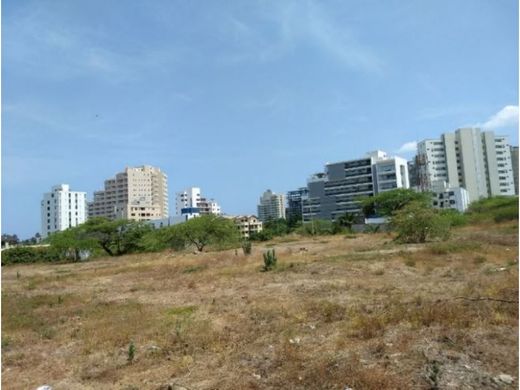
(246, 247)
(264, 235)
(455, 217)
(131, 352)
(269, 260)
(497, 209)
(21, 255)
(417, 223)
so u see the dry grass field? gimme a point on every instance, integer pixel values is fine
(363, 313)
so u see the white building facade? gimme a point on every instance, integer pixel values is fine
(191, 201)
(477, 161)
(445, 197)
(62, 208)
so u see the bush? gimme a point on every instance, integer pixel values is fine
(270, 260)
(22, 255)
(388, 202)
(417, 223)
(246, 247)
(264, 235)
(455, 217)
(497, 209)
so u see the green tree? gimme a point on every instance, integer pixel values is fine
(345, 221)
(415, 223)
(386, 203)
(69, 243)
(209, 229)
(116, 237)
(278, 227)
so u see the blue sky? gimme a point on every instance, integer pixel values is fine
(239, 96)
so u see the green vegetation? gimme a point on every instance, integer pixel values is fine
(270, 260)
(416, 223)
(131, 352)
(496, 209)
(387, 203)
(208, 230)
(21, 255)
(246, 247)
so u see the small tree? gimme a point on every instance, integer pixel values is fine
(209, 229)
(69, 243)
(278, 227)
(116, 237)
(417, 223)
(386, 203)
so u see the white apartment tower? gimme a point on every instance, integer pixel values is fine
(478, 161)
(62, 208)
(187, 199)
(271, 207)
(191, 201)
(139, 194)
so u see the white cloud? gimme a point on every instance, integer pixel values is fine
(506, 117)
(408, 147)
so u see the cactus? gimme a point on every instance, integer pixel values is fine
(246, 247)
(269, 260)
(131, 352)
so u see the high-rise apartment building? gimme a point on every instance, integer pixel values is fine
(191, 201)
(514, 165)
(478, 161)
(337, 190)
(294, 203)
(271, 207)
(139, 194)
(62, 208)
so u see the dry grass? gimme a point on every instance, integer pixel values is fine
(363, 312)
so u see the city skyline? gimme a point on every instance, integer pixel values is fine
(238, 98)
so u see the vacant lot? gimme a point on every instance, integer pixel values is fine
(338, 311)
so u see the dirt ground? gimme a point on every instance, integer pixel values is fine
(338, 312)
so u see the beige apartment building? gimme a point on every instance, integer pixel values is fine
(139, 194)
(247, 225)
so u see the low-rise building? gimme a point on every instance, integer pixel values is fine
(247, 225)
(446, 197)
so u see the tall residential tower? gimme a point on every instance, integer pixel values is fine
(62, 208)
(271, 207)
(478, 161)
(139, 194)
